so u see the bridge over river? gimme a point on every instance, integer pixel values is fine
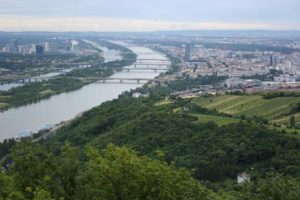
(123, 80)
(65, 106)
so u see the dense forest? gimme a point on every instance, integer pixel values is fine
(112, 173)
(214, 153)
(173, 156)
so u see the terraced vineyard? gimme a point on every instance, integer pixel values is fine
(217, 119)
(276, 109)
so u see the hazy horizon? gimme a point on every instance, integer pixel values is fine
(141, 16)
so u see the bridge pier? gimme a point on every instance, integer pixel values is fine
(138, 81)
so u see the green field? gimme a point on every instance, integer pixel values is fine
(3, 105)
(217, 119)
(271, 109)
(163, 102)
(47, 93)
(4, 98)
(286, 119)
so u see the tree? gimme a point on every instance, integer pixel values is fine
(30, 167)
(5, 185)
(7, 189)
(292, 121)
(274, 187)
(113, 173)
(118, 173)
(278, 187)
(41, 194)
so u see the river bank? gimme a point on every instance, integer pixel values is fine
(65, 106)
(70, 81)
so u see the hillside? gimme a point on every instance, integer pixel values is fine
(275, 109)
(210, 146)
(213, 152)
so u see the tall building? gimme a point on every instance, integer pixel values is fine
(39, 49)
(273, 60)
(46, 46)
(188, 51)
(13, 46)
(74, 45)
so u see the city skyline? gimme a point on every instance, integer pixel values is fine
(134, 15)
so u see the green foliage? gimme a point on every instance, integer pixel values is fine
(5, 186)
(41, 194)
(292, 121)
(99, 120)
(5, 146)
(274, 187)
(113, 173)
(189, 83)
(212, 152)
(281, 94)
(17, 62)
(124, 175)
(295, 108)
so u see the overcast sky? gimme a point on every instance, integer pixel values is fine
(148, 15)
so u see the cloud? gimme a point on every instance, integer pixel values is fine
(17, 23)
(165, 14)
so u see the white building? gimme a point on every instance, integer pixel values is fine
(74, 45)
(285, 78)
(136, 95)
(243, 178)
(234, 82)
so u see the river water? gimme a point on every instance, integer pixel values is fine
(108, 54)
(66, 106)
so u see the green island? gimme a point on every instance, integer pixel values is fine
(33, 92)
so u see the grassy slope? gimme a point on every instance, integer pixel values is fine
(271, 109)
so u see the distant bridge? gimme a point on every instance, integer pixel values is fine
(148, 59)
(150, 64)
(142, 53)
(143, 69)
(122, 80)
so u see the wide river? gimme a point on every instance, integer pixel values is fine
(66, 106)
